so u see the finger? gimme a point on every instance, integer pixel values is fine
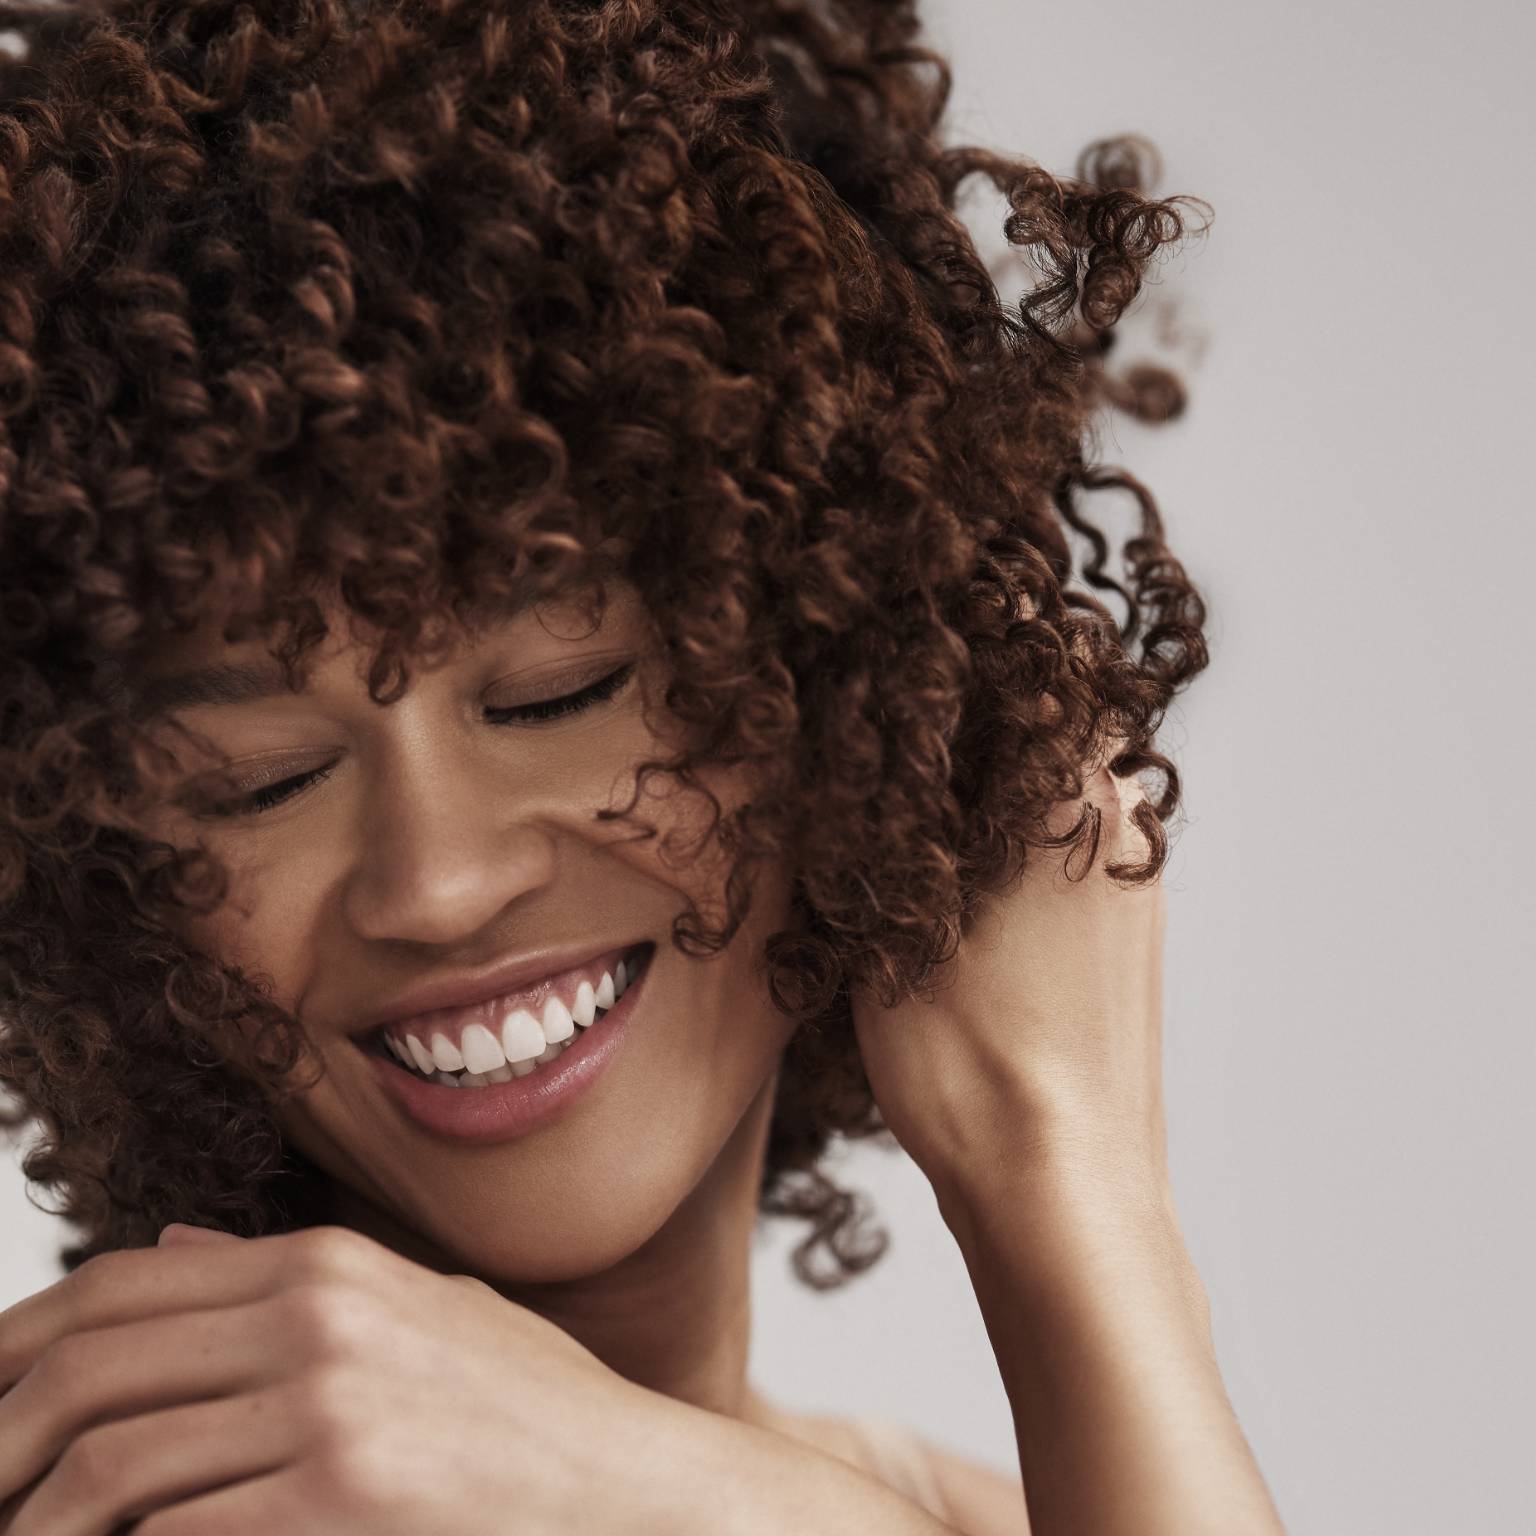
(1117, 799)
(9, 1506)
(257, 1506)
(132, 1283)
(1100, 791)
(182, 1232)
(135, 1466)
(1129, 843)
(102, 1374)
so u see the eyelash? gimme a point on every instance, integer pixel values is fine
(270, 796)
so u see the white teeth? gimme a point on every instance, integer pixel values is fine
(558, 1024)
(484, 1056)
(482, 1051)
(445, 1054)
(469, 1078)
(521, 1037)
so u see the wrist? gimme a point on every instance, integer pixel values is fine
(1061, 1214)
(1024, 1146)
(1000, 1120)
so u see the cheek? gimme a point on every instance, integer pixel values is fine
(686, 853)
(265, 926)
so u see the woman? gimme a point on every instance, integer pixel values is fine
(540, 682)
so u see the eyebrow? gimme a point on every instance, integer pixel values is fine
(237, 683)
(228, 683)
(233, 682)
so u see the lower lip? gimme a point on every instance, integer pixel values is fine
(505, 1111)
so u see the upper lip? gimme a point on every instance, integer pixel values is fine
(509, 975)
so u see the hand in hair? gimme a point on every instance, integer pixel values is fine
(1044, 1030)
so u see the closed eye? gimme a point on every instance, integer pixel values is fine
(568, 704)
(270, 796)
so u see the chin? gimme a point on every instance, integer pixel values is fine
(545, 1263)
(568, 1239)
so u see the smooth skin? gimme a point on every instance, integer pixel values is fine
(551, 1334)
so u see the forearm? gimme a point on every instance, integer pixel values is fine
(1101, 1330)
(749, 1481)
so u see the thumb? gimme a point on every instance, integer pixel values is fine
(181, 1232)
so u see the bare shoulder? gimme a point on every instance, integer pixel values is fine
(980, 1500)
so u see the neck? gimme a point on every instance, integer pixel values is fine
(675, 1315)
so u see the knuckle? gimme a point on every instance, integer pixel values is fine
(329, 1252)
(352, 1469)
(98, 1277)
(323, 1402)
(341, 1445)
(58, 1369)
(326, 1321)
(13, 1338)
(92, 1465)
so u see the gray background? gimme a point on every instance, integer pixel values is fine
(1349, 1032)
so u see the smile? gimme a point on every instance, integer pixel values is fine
(521, 1096)
(494, 1042)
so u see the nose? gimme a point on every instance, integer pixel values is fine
(441, 854)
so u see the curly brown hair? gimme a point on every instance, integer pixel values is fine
(421, 303)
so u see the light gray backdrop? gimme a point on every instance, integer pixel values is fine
(1349, 1024)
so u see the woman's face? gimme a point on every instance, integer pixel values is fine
(440, 835)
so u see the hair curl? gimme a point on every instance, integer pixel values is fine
(421, 302)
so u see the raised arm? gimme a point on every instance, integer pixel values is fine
(1102, 1333)
(1029, 1090)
